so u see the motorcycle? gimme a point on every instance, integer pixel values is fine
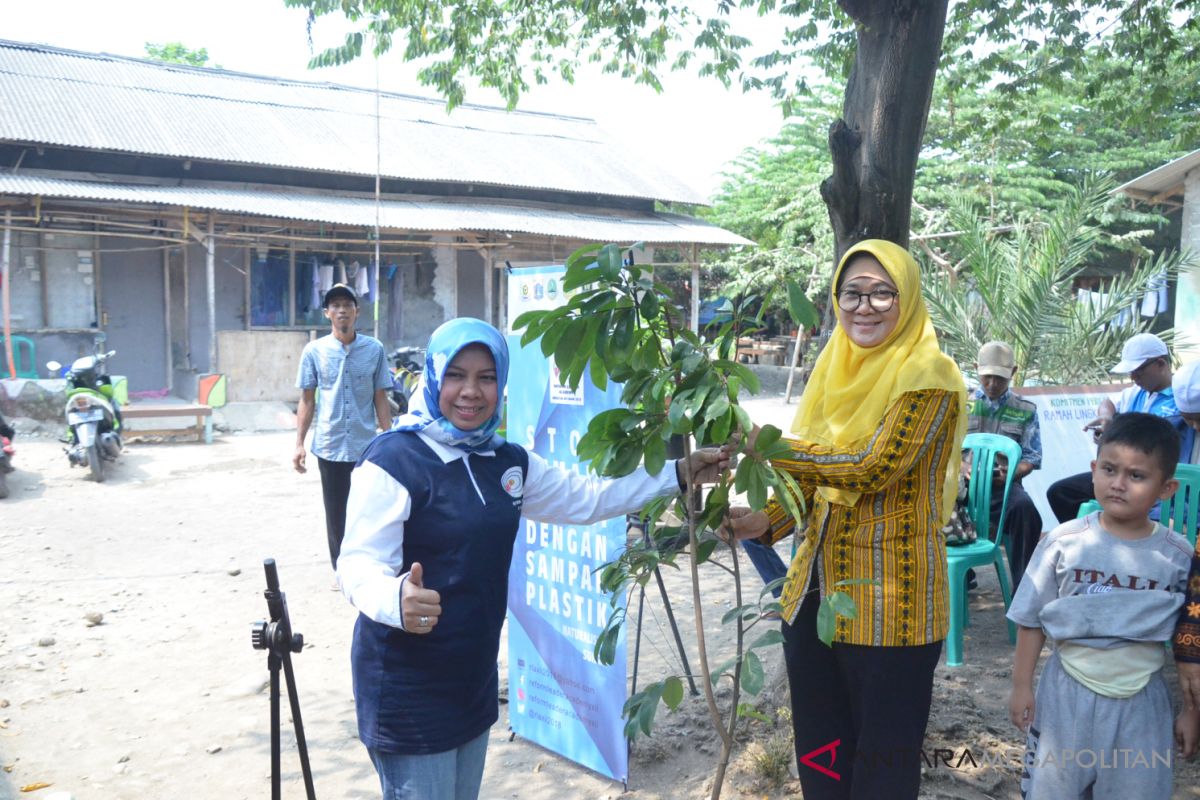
(407, 364)
(93, 417)
(6, 453)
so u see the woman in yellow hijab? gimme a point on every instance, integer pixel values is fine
(875, 448)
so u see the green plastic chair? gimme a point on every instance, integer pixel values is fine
(1181, 512)
(983, 551)
(23, 357)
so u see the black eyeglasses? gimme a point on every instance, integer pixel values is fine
(879, 299)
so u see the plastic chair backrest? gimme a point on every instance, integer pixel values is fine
(23, 357)
(984, 447)
(1181, 513)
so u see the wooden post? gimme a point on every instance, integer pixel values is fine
(187, 307)
(4, 271)
(695, 292)
(166, 271)
(210, 277)
(247, 262)
(291, 313)
(800, 337)
(489, 273)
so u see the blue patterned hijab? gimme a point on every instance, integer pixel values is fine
(424, 414)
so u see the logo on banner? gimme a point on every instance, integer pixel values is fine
(551, 288)
(524, 290)
(537, 290)
(513, 481)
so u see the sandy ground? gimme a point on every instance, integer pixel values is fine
(166, 697)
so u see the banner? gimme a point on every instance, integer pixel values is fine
(558, 697)
(1067, 449)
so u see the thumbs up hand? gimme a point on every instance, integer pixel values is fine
(419, 607)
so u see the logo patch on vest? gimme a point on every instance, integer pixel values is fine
(513, 481)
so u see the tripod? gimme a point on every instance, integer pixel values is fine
(277, 639)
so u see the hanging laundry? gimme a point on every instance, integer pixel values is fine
(341, 272)
(361, 284)
(1155, 301)
(326, 279)
(314, 300)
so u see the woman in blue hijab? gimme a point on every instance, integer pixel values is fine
(433, 513)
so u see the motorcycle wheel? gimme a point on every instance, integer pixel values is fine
(95, 462)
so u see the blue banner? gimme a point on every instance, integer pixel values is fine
(558, 696)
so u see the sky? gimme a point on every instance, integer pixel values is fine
(693, 129)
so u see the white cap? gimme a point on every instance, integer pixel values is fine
(996, 358)
(1138, 350)
(1186, 387)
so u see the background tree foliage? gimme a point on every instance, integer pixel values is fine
(1017, 287)
(178, 53)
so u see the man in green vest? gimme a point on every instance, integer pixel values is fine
(993, 408)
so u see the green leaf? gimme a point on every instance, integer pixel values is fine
(610, 262)
(673, 692)
(655, 455)
(826, 622)
(649, 305)
(744, 610)
(843, 605)
(567, 347)
(767, 436)
(752, 673)
(801, 309)
(771, 637)
(620, 346)
(745, 710)
(719, 431)
(704, 550)
(598, 374)
(526, 318)
(716, 674)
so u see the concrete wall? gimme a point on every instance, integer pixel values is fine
(469, 285)
(261, 365)
(1187, 289)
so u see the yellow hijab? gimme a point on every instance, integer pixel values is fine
(852, 387)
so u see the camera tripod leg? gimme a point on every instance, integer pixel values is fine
(301, 744)
(276, 776)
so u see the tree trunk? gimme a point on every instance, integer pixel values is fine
(876, 142)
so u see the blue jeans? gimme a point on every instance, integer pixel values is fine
(768, 563)
(453, 775)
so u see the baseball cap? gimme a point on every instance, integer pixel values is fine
(996, 358)
(339, 290)
(1138, 350)
(1185, 385)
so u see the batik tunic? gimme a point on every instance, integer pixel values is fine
(891, 536)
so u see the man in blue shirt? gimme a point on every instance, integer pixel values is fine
(1146, 359)
(992, 408)
(351, 371)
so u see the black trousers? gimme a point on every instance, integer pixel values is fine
(1022, 529)
(335, 489)
(1067, 495)
(858, 712)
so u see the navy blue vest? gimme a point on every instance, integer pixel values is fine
(418, 694)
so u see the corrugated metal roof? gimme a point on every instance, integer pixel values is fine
(102, 102)
(1159, 180)
(404, 214)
